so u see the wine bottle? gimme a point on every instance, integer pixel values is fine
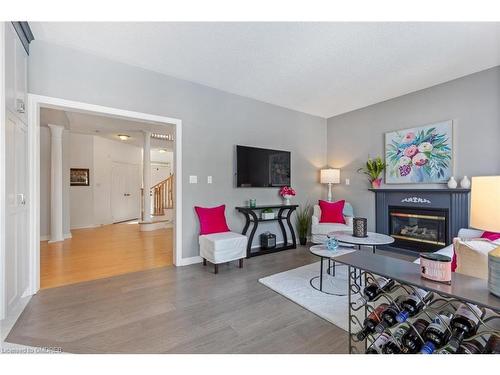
(392, 347)
(437, 333)
(493, 345)
(445, 350)
(388, 318)
(411, 340)
(378, 344)
(472, 347)
(413, 303)
(371, 322)
(371, 291)
(380, 285)
(465, 323)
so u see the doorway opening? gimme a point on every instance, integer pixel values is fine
(114, 206)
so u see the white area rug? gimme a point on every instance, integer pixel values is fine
(295, 285)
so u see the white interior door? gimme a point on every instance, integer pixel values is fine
(125, 188)
(16, 256)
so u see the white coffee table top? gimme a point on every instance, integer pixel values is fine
(372, 239)
(322, 251)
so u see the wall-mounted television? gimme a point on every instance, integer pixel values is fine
(260, 167)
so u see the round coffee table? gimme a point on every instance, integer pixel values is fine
(372, 239)
(337, 285)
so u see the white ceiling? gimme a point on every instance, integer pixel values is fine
(320, 68)
(108, 127)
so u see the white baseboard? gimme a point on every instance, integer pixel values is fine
(66, 236)
(147, 227)
(188, 261)
(86, 226)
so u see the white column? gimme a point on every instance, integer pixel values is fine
(146, 175)
(56, 184)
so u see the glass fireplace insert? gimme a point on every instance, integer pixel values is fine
(422, 230)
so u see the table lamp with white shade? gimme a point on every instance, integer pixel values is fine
(485, 215)
(485, 203)
(330, 176)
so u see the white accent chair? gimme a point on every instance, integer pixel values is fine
(222, 247)
(463, 233)
(319, 230)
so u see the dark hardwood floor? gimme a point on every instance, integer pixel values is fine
(180, 310)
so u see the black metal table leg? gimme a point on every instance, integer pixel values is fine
(321, 276)
(290, 226)
(282, 226)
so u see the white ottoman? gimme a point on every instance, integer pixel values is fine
(223, 247)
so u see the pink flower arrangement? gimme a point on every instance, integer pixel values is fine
(287, 191)
(409, 137)
(411, 151)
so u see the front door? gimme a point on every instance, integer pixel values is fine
(125, 189)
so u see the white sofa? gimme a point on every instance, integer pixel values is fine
(319, 230)
(463, 233)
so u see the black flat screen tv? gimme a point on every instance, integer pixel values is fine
(259, 167)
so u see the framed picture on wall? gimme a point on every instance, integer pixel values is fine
(420, 155)
(79, 177)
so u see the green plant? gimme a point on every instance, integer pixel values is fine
(304, 217)
(373, 168)
(268, 211)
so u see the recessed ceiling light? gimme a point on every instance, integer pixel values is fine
(123, 137)
(162, 151)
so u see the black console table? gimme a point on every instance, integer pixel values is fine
(284, 213)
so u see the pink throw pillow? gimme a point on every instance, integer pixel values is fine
(454, 260)
(331, 212)
(492, 236)
(212, 219)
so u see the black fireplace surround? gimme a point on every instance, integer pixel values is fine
(421, 220)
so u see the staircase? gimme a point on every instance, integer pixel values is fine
(162, 196)
(162, 205)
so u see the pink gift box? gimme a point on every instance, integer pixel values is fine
(435, 267)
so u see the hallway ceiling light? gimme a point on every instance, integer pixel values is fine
(123, 137)
(162, 151)
(166, 137)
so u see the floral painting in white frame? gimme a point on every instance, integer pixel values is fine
(420, 155)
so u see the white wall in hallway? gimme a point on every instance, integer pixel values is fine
(82, 197)
(105, 153)
(83, 206)
(159, 172)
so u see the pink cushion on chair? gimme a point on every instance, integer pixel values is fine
(212, 219)
(331, 212)
(492, 236)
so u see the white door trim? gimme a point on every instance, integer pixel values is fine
(35, 102)
(3, 119)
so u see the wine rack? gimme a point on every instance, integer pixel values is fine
(364, 269)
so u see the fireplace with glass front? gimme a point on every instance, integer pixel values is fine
(421, 220)
(418, 229)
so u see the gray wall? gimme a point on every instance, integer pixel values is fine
(472, 102)
(213, 123)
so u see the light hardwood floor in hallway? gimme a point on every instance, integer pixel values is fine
(97, 253)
